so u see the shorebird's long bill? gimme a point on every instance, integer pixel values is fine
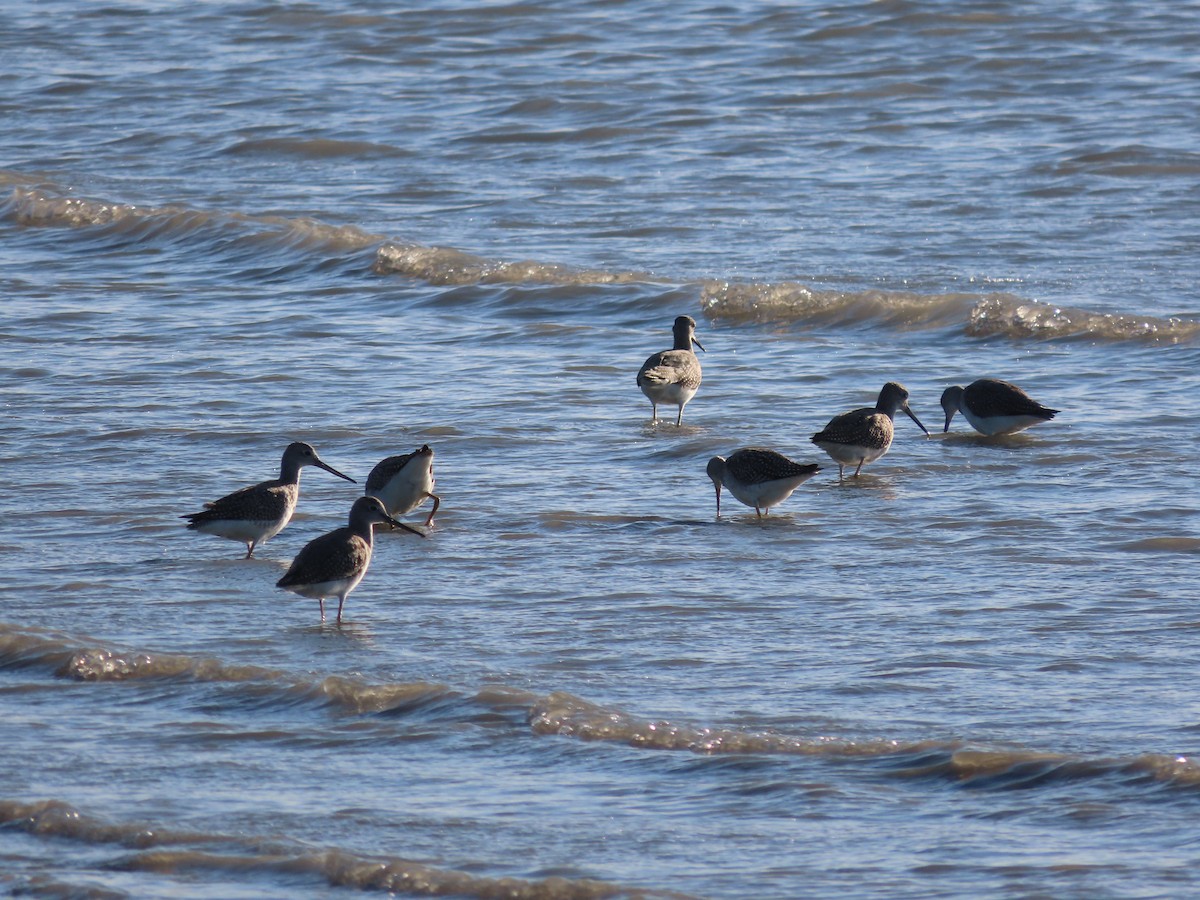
(395, 523)
(698, 344)
(912, 415)
(717, 485)
(949, 416)
(333, 471)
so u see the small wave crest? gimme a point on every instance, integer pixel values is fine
(969, 766)
(40, 207)
(1014, 318)
(976, 315)
(1015, 769)
(445, 265)
(563, 714)
(1130, 161)
(99, 664)
(792, 301)
(318, 148)
(158, 850)
(996, 314)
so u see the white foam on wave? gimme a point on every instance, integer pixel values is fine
(996, 314)
(1016, 318)
(976, 315)
(445, 265)
(43, 208)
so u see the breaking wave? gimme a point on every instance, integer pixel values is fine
(146, 848)
(65, 659)
(443, 265)
(977, 315)
(561, 714)
(958, 762)
(217, 231)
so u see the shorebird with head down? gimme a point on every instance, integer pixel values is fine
(994, 407)
(758, 477)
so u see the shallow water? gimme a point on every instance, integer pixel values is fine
(967, 672)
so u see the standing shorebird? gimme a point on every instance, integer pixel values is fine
(402, 483)
(261, 511)
(863, 435)
(994, 407)
(333, 564)
(757, 477)
(673, 376)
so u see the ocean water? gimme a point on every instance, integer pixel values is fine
(968, 672)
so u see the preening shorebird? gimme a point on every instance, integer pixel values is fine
(404, 482)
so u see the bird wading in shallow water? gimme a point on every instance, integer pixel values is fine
(333, 564)
(673, 376)
(863, 435)
(758, 477)
(261, 511)
(404, 482)
(994, 407)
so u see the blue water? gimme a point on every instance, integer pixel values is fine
(227, 226)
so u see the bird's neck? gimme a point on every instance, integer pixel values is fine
(366, 532)
(289, 473)
(888, 409)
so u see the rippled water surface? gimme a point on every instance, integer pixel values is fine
(967, 672)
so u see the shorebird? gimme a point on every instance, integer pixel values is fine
(994, 407)
(673, 376)
(403, 482)
(758, 477)
(333, 564)
(261, 511)
(863, 435)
